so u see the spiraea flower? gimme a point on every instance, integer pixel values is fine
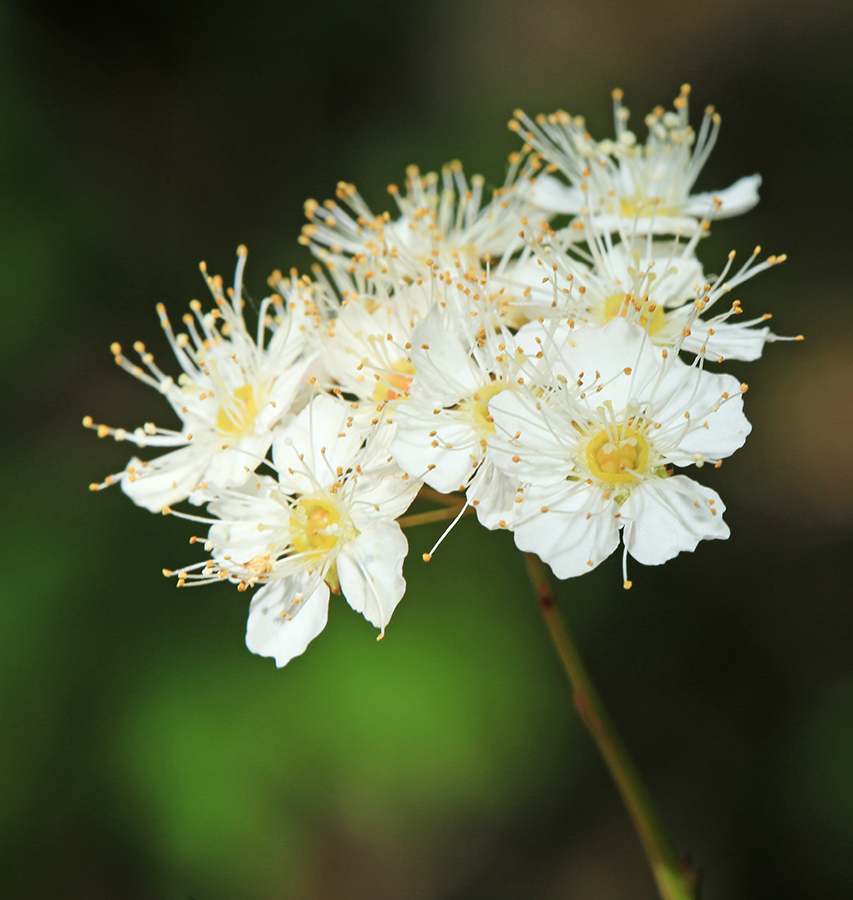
(444, 428)
(556, 374)
(326, 524)
(659, 284)
(366, 346)
(232, 390)
(595, 450)
(443, 222)
(650, 183)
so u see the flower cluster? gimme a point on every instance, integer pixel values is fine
(545, 356)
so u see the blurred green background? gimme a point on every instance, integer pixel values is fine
(144, 752)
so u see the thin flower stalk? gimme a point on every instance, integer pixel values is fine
(675, 876)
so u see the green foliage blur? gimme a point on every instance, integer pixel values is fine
(144, 752)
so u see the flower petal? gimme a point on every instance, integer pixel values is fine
(552, 195)
(269, 633)
(492, 494)
(165, 480)
(370, 570)
(667, 516)
(735, 199)
(444, 442)
(576, 531)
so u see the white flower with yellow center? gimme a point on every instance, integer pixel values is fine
(593, 450)
(233, 389)
(365, 351)
(623, 179)
(443, 430)
(326, 524)
(658, 284)
(443, 222)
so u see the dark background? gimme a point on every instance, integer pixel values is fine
(145, 753)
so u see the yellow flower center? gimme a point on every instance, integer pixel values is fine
(237, 415)
(396, 382)
(614, 461)
(314, 525)
(646, 207)
(477, 406)
(648, 315)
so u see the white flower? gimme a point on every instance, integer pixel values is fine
(593, 450)
(443, 429)
(443, 223)
(327, 523)
(659, 284)
(649, 183)
(366, 347)
(233, 389)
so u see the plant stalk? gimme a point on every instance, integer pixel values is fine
(675, 876)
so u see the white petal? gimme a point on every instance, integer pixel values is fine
(454, 455)
(731, 341)
(227, 467)
(268, 633)
(639, 226)
(370, 570)
(283, 393)
(444, 372)
(543, 452)
(577, 532)
(735, 199)
(689, 389)
(319, 434)
(551, 194)
(165, 480)
(391, 491)
(662, 518)
(493, 494)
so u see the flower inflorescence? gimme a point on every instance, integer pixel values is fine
(553, 380)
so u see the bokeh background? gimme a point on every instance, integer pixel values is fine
(144, 753)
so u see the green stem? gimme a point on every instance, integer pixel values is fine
(427, 493)
(434, 515)
(676, 878)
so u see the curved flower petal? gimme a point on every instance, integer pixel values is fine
(164, 480)
(270, 633)
(552, 195)
(731, 341)
(572, 529)
(439, 449)
(492, 494)
(668, 516)
(308, 450)
(370, 570)
(736, 199)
